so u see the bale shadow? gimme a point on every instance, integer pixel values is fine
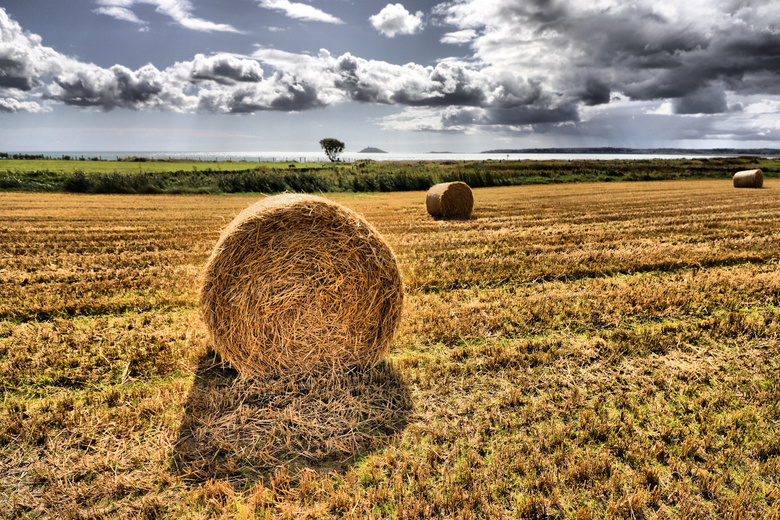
(243, 430)
(452, 219)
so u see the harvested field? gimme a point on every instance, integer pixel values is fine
(605, 350)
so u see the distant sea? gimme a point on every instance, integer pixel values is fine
(357, 156)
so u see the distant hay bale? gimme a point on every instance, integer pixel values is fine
(450, 200)
(298, 283)
(749, 179)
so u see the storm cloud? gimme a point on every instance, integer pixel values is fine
(642, 50)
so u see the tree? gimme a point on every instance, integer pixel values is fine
(332, 147)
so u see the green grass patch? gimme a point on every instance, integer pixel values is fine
(138, 175)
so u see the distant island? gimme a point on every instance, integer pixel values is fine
(646, 151)
(371, 150)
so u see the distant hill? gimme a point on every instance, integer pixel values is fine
(371, 150)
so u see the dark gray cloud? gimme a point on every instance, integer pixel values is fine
(634, 40)
(709, 100)
(511, 117)
(541, 12)
(742, 63)
(13, 75)
(450, 86)
(287, 95)
(117, 87)
(525, 115)
(223, 68)
(593, 91)
(298, 97)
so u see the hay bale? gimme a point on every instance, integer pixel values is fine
(749, 179)
(298, 283)
(450, 200)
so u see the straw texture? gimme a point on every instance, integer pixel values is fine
(450, 200)
(749, 179)
(298, 283)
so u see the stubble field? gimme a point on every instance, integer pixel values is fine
(572, 351)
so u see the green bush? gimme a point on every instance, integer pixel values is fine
(77, 182)
(127, 183)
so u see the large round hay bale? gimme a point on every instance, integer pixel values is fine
(749, 179)
(450, 200)
(299, 283)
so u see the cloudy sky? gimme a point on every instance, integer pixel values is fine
(416, 76)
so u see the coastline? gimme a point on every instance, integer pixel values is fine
(530, 154)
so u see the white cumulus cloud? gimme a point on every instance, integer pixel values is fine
(395, 19)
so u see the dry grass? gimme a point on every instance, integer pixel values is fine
(574, 351)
